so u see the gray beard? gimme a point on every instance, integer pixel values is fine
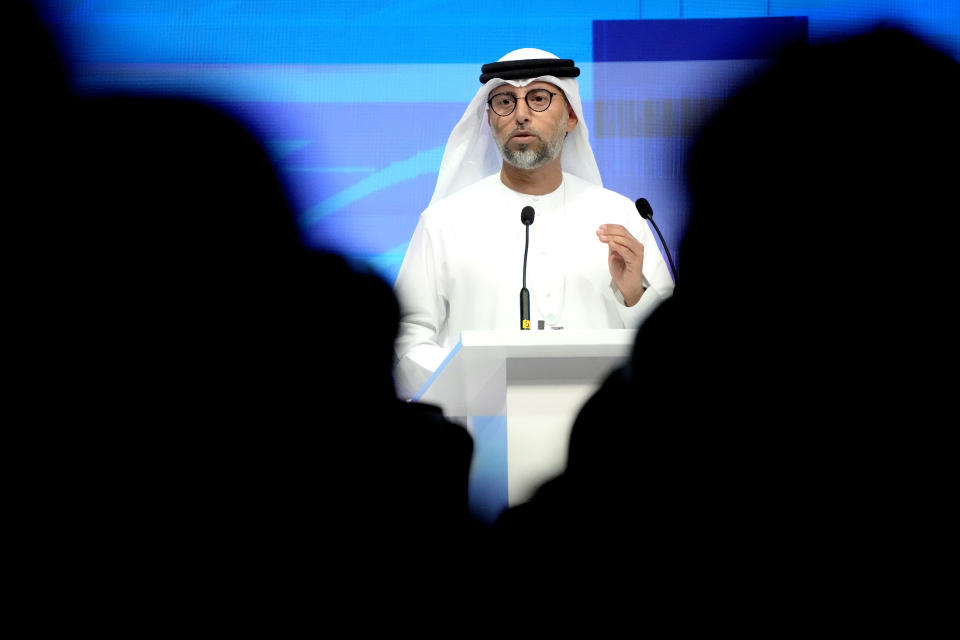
(527, 158)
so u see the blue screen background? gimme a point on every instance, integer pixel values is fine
(356, 99)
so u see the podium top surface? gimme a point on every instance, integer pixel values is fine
(546, 339)
(478, 353)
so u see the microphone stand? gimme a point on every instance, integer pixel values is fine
(646, 212)
(526, 217)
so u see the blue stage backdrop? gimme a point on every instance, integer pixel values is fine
(356, 99)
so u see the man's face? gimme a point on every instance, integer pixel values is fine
(529, 139)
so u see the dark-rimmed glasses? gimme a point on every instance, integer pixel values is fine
(504, 103)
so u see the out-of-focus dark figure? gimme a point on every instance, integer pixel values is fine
(198, 264)
(792, 462)
(213, 424)
(38, 107)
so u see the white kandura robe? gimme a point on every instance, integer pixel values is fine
(464, 269)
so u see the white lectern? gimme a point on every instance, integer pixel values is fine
(518, 393)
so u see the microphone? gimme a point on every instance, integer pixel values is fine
(526, 217)
(646, 212)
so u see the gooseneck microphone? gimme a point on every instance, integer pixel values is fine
(526, 217)
(646, 212)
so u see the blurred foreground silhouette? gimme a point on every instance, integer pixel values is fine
(210, 421)
(777, 445)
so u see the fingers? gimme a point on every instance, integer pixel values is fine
(616, 233)
(619, 240)
(614, 230)
(624, 252)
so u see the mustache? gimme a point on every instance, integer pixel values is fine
(525, 131)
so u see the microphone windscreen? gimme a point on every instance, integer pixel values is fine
(526, 215)
(644, 208)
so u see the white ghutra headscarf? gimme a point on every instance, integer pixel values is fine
(471, 153)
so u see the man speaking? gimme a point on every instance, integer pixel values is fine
(593, 262)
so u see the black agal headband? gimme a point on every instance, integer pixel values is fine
(519, 69)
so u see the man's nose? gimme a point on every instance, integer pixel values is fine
(522, 111)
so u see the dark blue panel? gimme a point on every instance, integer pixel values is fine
(706, 39)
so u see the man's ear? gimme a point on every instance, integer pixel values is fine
(572, 119)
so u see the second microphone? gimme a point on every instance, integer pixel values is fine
(526, 217)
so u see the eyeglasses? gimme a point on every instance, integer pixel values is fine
(503, 104)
